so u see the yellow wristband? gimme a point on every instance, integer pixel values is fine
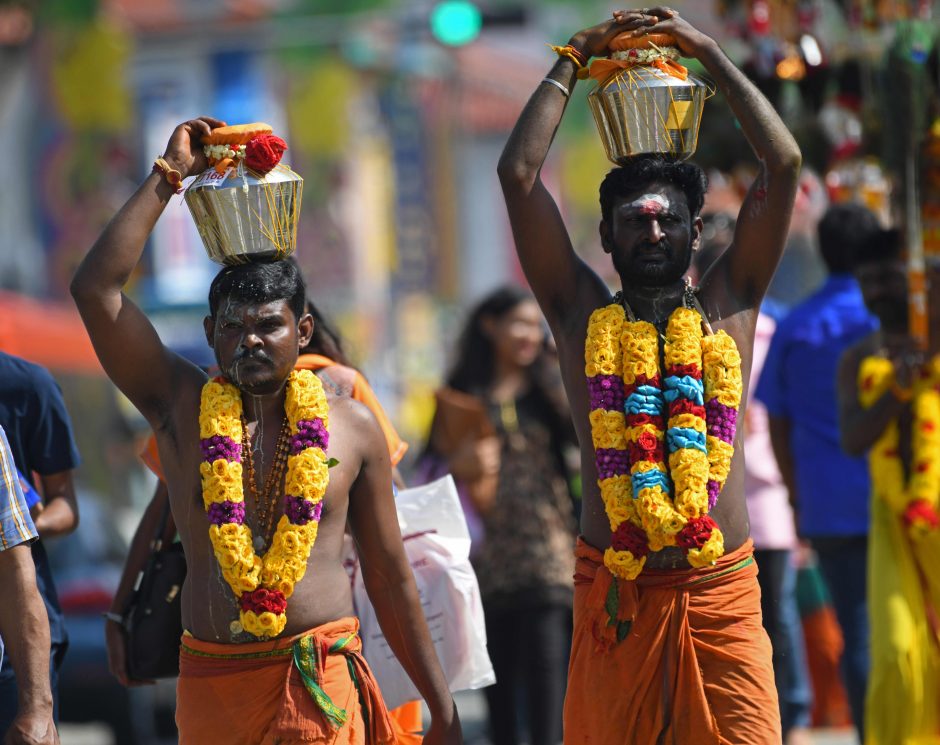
(571, 53)
(173, 177)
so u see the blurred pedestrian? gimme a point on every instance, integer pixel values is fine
(668, 643)
(24, 623)
(39, 432)
(828, 488)
(772, 525)
(890, 407)
(518, 480)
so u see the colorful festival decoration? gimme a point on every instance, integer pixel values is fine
(659, 479)
(263, 584)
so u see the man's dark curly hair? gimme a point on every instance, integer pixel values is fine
(643, 170)
(259, 282)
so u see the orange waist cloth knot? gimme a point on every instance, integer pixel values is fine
(693, 663)
(312, 688)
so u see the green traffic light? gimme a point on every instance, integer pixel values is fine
(456, 22)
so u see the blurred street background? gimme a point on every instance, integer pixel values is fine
(395, 112)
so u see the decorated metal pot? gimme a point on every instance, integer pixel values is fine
(242, 215)
(645, 101)
(247, 205)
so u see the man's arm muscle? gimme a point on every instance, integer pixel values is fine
(763, 223)
(558, 277)
(387, 574)
(124, 339)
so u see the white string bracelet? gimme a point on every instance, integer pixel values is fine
(558, 85)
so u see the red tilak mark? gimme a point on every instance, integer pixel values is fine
(651, 207)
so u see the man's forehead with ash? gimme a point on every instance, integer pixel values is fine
(649, 205)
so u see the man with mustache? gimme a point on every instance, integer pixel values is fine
(663, 651)
(271, 651)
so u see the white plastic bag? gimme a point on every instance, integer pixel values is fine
(437, 543)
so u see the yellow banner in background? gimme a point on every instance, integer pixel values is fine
(317, 109)
(89, 82)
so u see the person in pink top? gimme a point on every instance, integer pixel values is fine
(768, 504)
(773, 528)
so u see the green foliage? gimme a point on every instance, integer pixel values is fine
(67, 12)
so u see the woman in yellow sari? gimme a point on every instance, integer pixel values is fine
(890, 406)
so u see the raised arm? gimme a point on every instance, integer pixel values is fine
(761, 231)
(389, 581)
(125, 341)
(556, 274)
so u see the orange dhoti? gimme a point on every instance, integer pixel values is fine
(693, 666)
(312, 688)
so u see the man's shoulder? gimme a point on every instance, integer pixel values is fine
(823, 309)
(22, 375)
(350, 414)
(354, 428)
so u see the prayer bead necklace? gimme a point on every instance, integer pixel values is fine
(266, 500)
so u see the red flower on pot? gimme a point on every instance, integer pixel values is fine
(264, 152)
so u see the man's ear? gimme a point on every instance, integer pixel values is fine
(606, 243)
(208, 324)
(304, 330)
(697, 226)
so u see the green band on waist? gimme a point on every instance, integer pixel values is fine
(306, 654)
(718, 575)
(238, 655)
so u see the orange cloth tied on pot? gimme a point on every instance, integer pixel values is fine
(602, 68)
(693, 664)
(256, 694)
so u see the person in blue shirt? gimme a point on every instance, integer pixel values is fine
(24, 624)
(828, 489)
(39, 432)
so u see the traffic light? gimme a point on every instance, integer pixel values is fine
(458, 22)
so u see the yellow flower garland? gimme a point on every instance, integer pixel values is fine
(285, 562)
(622, 356)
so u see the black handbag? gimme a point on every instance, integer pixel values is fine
(154, 620)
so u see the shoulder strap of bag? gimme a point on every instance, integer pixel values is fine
(156, 545)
